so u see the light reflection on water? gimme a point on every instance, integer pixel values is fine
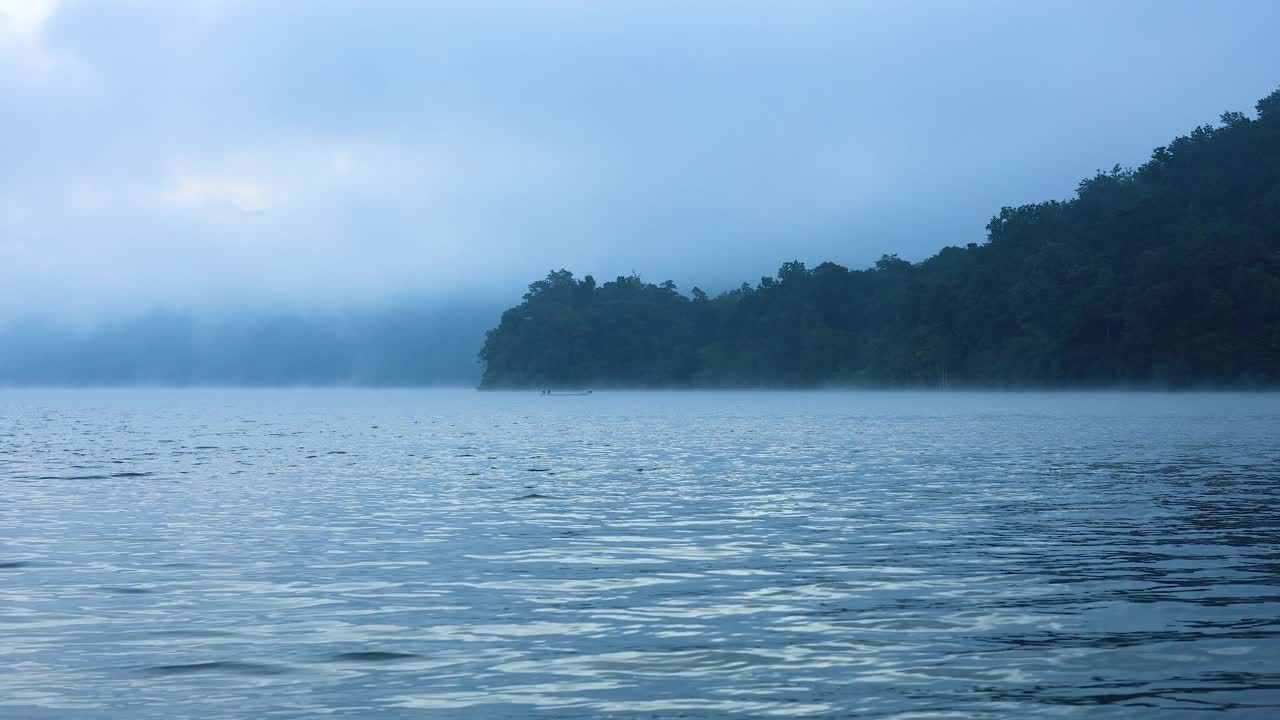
(461, 554)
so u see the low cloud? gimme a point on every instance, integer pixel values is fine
(240, 193)
(25, 18)
(214, 152)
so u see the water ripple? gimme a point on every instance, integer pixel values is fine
(698, 555)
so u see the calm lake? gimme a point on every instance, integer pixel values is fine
(405, 554)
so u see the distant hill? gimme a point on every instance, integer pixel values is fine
(406, 343)
(1164, 276)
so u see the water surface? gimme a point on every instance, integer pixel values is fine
(403, 554)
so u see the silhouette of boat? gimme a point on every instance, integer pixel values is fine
(574, 393)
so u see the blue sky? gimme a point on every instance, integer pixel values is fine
(216, 153)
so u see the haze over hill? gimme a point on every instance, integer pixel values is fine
(408, 342)
(293, 165)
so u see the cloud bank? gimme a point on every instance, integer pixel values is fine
(220, 152)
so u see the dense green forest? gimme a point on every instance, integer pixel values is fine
(1164, 276)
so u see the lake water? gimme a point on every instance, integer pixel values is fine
(406, 554)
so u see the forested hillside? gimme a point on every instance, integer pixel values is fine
(1167, 275)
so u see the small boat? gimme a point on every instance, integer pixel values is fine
(549, 391)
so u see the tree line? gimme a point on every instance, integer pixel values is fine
(1163, 276)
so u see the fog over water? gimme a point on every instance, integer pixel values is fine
(406, 342)
(258, 259)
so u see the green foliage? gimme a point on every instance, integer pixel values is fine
(1167, 275)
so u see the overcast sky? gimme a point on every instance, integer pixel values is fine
(218, 152)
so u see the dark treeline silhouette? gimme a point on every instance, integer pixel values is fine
(1167, 275)
(408, 343)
